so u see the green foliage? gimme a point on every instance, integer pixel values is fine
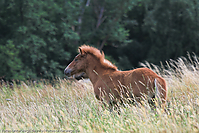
(102, 23)
(11, 65)
(40, 34)
(164, 28)
(40, 38)
(173, 28)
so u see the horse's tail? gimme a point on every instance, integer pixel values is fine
(160, 91)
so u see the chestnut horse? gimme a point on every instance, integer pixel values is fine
(112, 85)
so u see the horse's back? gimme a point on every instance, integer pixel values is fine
(141, 80)
(140, 74)
(135, 76)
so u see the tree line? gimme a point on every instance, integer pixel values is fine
(39, 38)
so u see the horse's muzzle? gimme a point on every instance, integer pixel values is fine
(67, 72)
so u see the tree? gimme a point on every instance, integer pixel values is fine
(41, 32)
(162, 29)
(11, 65)
(100, 22)
(39, 38)
(172, 27)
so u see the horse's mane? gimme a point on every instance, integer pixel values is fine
(98, 55)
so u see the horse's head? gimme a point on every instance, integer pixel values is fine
(77, 65)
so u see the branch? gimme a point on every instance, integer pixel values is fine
(81, 14)
(100, 17)
(103, 42)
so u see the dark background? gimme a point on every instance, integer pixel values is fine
(39, 38)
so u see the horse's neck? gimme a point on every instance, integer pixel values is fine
(95, 72)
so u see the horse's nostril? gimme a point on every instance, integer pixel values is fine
(67, 72)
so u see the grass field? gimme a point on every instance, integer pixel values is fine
(71, 106)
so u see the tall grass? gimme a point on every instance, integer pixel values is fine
(71, 105)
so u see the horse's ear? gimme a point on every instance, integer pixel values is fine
(103, 54)
(81, 51)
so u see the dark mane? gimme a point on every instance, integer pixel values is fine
(98, 55)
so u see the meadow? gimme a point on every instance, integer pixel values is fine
(70, 106)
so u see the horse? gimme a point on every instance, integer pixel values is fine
(112, 85)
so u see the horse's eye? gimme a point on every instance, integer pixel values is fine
(76, 59)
